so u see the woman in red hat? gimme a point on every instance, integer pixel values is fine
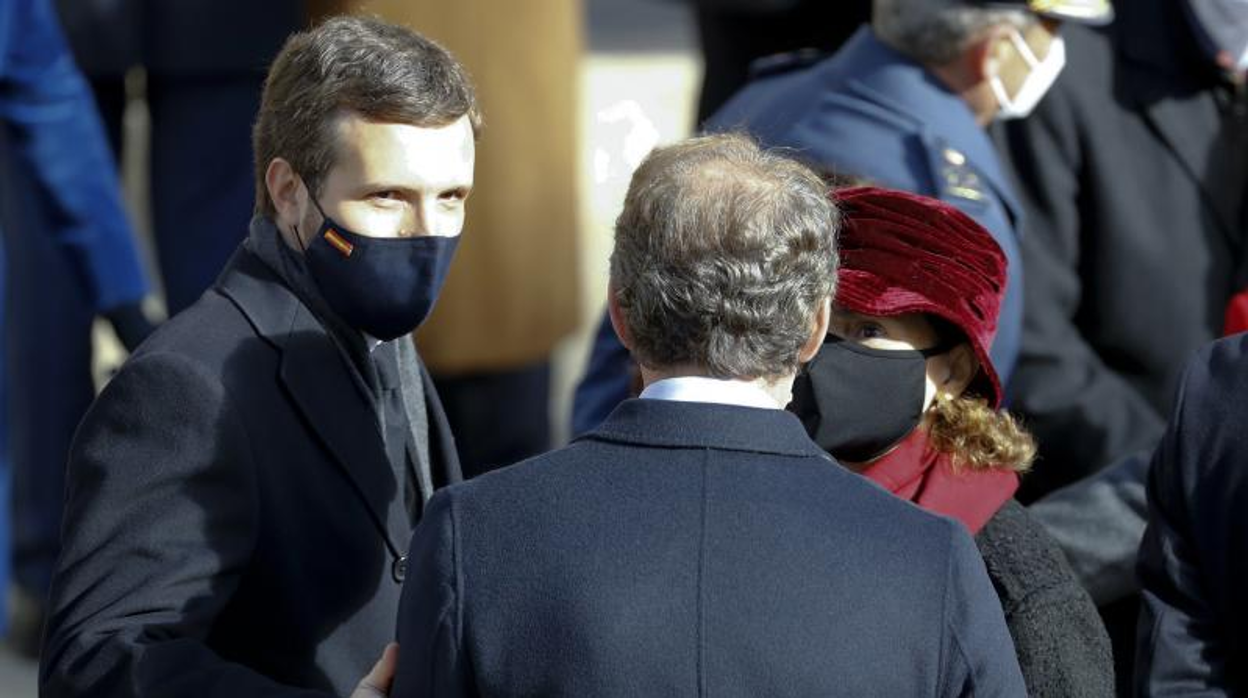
(904, 392)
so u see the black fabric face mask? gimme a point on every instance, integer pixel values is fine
(384, 287)
(857, 402)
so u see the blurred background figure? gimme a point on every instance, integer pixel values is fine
(514, 291)
(733, 34)
(202, 64)
(1194, 559)
(1133, 174)
(71, 256)
(198, 67)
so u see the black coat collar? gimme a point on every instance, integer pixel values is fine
(666, 423)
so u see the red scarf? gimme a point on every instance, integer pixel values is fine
(925, 476)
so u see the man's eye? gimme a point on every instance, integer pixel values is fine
(385, 195)
(454, 195)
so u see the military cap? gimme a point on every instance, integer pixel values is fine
(1082, 11)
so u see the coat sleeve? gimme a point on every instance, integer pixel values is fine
(432, 659)
(1084, 413)
(979, 658)
(1112, 503)
(47, 106)
(160, 521)
(1059, 638)
(1180, 648)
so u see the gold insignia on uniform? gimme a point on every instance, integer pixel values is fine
(960, 180)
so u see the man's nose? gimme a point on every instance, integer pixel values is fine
(416, 222)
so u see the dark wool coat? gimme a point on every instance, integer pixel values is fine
(1062, 646)
(1193, 632)
(1132, 246)
(687, 549)
(233, 526)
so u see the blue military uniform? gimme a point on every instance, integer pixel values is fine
(67, 193)
(867, 112)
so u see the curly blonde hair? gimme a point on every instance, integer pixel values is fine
(977, 436)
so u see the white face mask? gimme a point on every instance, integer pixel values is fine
(1225, 22)
(1038, 81)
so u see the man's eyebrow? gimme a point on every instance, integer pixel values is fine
(384, 185)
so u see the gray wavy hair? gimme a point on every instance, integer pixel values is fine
(934, 32)
(723, 255)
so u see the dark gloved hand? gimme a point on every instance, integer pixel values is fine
(130, 323)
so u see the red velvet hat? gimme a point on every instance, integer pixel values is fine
(904, 253)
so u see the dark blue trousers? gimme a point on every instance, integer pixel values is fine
(202, 196)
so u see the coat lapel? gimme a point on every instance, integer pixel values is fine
(343, 418)
(1184, 121)
(334, 405)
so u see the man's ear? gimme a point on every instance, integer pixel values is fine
(616, 313)
(823, 317)
(961, 365)
(286, 192)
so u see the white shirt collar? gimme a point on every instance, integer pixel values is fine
(714, 390)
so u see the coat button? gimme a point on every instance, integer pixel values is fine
(399, 569)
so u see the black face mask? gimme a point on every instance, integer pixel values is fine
(857, 402)
(384, 287)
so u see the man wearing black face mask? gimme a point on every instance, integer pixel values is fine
(241, 495)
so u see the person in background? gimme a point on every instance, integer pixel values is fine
(241, 494)
(1132, 173)
(59, 201)
(698, 542)
(1160, 107)
(1194, 555)
(904, 104)
(204, 63)
(734, 34)
(904, 393)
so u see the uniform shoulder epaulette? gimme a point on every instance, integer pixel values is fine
(778, 63)
(955, 177)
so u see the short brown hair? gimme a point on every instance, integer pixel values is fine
(723, 254)
(352, 65)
